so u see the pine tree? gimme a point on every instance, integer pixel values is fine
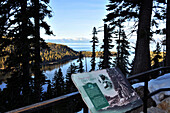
(121, 60)
(122, 11)
(25, 50)
(49, 94)
(73, 104)
(36, 38)
(94, 41)
(12, 95)
(140, 11)
(70, 87)
(106, 57)
(16, 26)
(80, 68)
(143, 38)
(118, 36)
(58, 83)
(40, 7)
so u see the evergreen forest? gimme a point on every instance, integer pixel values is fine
(23, 51)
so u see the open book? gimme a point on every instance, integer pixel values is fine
(106, 91)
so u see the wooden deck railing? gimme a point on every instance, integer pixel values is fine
(141, 77)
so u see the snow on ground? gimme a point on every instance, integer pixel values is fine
(158, 83)
(155, 84)
(138, 85)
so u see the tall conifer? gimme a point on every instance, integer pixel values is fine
(80, 68)
(106, 57)
(70, 87)
(94, 41)
(58, 83)
(121, 60)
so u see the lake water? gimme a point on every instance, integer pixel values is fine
(49, 72)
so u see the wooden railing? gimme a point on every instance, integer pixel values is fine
(45, 104)
(141, 77)
(145, 77)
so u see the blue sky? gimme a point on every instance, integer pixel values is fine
(75, 19)
(73, 22)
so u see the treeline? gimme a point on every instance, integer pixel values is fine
(57, 52)
(20, 31)
(97, 54)
(160, 59)
(54, 52)
(60, 85)
(4, 58)
(144, 28)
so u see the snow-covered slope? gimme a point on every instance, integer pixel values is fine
(158, 83)
(155, 84)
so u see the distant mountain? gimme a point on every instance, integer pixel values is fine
(57, 52)
(78, 40)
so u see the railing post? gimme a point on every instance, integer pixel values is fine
(145, 95)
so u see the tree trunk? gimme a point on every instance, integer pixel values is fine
(106, 49)
(142, 52)
(93, 56)
(168, 34)
(37, 34)
(25, 50)
(94, 40)
(37, 52)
